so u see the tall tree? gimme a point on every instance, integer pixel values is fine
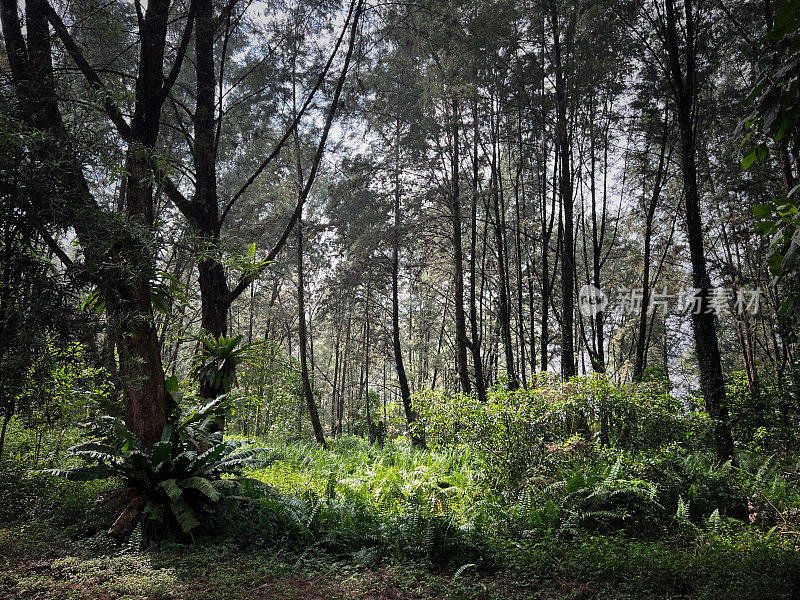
(128, 295)
(560, 39)
(683, 76)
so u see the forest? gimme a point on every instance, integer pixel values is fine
(376, 299)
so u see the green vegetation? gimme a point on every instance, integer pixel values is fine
(443, 299)
(520, 497)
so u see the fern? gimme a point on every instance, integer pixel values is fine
(169, 488)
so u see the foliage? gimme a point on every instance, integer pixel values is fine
(649, 524)
(610, 504)
(27, 496)
(269, 398)
(172, 486)
(39, 324)
(516, 431)
(217, 360)
(776, 101)
(759, 416)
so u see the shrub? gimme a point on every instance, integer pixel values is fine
(170, 487)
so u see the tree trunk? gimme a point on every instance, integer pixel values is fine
(565, 192)
(504, 313)
(417, 439)
(7, 414)
(642, 336)
(712, 382)
(458, 260)
(475, 326)
(129, 303)
(302, 334)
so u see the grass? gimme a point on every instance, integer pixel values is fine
(360, 521)
(45, 564)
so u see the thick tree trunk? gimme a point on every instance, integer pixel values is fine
(129, 303)
(140, 367)
(215, 296)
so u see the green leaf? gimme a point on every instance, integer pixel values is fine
(749, 158)
(786, 306)
(787, 209)
(93, 455)
(94, 302)
(172, 384)
(185, 515)
(170, 486)
(213, 454)
(201, 484)
(78, 449)
(81, 473)
(787, 20)
(161, 452)
(166, 433)
(762, 211)
(245, 455)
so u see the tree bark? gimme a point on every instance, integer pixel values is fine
(302, 333)
(458, 258)
(475, 326)
(565, 192)
(709, 360)
(417, 439)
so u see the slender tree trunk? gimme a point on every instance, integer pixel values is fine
(345, 366)
(475, 326)
(458, 259)
(417, 438)
(520, 230)
(712, 382)
(367, 332)
(504, 313)
(7, 414)
(548, 281)
(302, 333)
(642, 336)
(335, 384)
(565, 193)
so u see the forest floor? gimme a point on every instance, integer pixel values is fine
(361, 542)
(41, 562)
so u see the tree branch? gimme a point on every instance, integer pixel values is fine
(299, 116)
(169, 81)
(245, 281)
(91, 75)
